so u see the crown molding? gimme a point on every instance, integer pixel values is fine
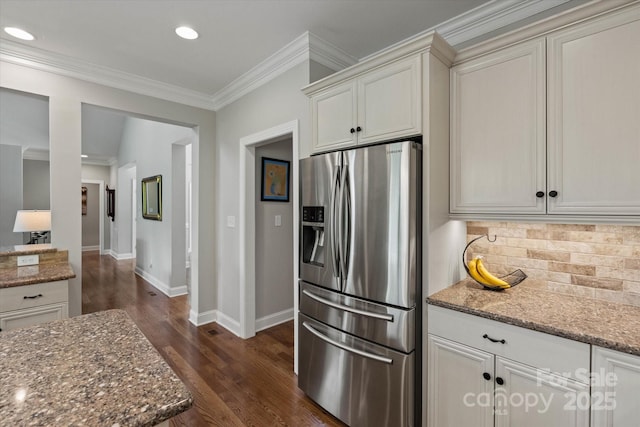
(490, 17)
(307, 46)
(467, 26)
(42, 60)
(35, 154)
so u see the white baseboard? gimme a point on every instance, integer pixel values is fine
(274, 319)
(228, 323)
(199, 319)
(160, 285)
(121, 257)
(90, 248)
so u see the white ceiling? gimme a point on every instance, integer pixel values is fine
(137, 36)
(135, 40)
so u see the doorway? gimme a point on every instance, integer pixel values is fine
(93, 223)
(247, 221)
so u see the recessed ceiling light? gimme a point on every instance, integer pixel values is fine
(84, 156)
(187, 33)
(19, 33)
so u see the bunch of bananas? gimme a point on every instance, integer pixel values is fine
(482, 275)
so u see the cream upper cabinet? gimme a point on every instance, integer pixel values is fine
(594, 116)
(334, 115)
(550, 125)
(498, 132)
(377, 105)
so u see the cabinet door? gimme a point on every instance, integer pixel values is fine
(615, 389)
(458, 394)
(498, 132)
(32, 316)
(389, 101)
(530, 397)
(594, 116)
(333, 115)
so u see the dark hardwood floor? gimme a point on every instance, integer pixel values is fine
(234, 382)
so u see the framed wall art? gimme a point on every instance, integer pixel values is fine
(275, 180)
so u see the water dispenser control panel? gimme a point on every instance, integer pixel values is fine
(313, 213)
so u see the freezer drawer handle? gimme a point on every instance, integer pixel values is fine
(347, 348)
(387, 317)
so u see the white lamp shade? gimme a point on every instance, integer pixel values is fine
(27, 221)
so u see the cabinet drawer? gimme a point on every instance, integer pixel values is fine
(32, 316)
(20, 297)
(538, 349)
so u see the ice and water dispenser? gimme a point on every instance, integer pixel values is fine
(313, 235)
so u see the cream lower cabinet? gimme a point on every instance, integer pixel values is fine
(483, 373)
(615, 389)
(28, 305)
(470, 387)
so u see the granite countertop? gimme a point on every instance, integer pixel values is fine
(92, 370)
(32, 274)
(606, 324)
(26, 249)
(52, 265)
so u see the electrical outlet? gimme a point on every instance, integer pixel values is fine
(28, 260)
(231, 221)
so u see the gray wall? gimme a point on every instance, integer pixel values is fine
(10, 193)
(91, 221)
(149, 145)
(35, 184)
(274, 245)
(66, 96)
(276, 102)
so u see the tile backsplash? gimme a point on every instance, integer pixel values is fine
(598, 261)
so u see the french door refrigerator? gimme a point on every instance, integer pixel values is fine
(360, 279)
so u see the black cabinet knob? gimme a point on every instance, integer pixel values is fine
(499, 380)
(553, 193)
(358, 129)
(352, 130)
(486, 376)
(540, 194)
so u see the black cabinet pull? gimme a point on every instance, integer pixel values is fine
(486, 376)
(487, 337)
(352, 130)
(499, 380)
(33, 297)
(358, 129)
(540, 194)
(553, 193)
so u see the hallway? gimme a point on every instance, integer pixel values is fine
(234, 382)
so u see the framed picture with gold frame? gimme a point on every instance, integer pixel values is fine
(152, 198)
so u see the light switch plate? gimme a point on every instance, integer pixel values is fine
(278, 221)
(28, 260)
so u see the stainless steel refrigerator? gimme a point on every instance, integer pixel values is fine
(360, 280)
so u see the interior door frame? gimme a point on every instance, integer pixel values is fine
(247, 221)
(101, 191)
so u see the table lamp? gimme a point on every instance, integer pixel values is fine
(35, 222)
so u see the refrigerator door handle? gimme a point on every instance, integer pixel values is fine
(346, 235)
(333, 223)
(387, 317)
(347, 348)
(339, 244)
(343, 227)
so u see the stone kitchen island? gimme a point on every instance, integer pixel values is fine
(92, 370)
